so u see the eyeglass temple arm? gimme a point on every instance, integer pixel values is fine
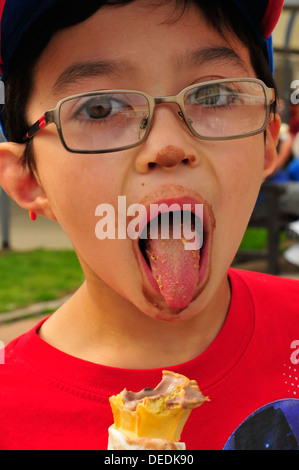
(38, 125)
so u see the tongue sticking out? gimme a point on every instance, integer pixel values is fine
(175, 270)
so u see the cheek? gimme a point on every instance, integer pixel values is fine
(75, 185)
(241, 175)
(241, 171)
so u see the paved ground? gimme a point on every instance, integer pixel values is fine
(26, 235)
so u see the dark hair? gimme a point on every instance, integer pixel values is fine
(220, 14)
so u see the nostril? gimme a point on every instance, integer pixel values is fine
(170, 156)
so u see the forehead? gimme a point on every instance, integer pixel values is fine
(137, 42)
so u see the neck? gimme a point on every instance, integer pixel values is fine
(109, 330)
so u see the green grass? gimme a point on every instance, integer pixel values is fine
(254, 239)
(36, 276)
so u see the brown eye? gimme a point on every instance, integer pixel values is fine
(99, 109)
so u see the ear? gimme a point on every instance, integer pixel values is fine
(272, 138)
(19, 182)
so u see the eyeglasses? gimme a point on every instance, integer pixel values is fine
(114, 120)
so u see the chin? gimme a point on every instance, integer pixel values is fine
(167, 314)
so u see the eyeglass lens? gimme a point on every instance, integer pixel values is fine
(104, 121)
(226, 109)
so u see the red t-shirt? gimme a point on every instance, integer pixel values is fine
(50, 400)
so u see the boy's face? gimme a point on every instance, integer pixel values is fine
(161, 57)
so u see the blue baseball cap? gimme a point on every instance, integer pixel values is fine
(263, 16)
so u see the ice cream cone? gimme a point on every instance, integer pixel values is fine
(156, 414)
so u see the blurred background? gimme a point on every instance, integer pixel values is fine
(286, 49)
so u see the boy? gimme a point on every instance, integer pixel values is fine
(209, 146)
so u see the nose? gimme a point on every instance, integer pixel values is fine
(170, 156)
(168, 145)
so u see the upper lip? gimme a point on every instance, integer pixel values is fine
(155, 207)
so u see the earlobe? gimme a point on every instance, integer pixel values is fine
(19, 183)
(272, 138)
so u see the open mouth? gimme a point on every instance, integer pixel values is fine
(172, 247)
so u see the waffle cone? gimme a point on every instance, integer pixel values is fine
(149, 421)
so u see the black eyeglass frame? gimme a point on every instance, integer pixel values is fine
(53, 115)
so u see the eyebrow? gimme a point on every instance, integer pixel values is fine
(84, 70)
(211, 54)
